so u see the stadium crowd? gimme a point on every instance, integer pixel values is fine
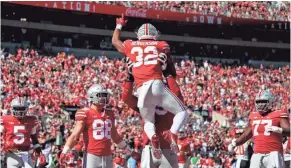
(50, 82)
(267, 10)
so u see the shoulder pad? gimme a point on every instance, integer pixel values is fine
(81, 114)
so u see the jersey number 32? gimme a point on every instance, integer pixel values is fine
(146, 56)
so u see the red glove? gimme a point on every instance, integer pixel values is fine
(42, 160)
(120, 22)
(62, 159)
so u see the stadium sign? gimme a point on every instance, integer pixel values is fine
(92, 7)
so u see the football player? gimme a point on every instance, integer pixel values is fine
(149, 58)
(267, 128)
(96, 123)
(163, 122)
(19, 132)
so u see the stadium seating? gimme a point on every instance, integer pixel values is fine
(271, 10)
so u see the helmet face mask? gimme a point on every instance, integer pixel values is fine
(264, 102)
(19, 107)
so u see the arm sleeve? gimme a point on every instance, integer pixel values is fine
(174, 87)
(127, 96)
(126, 46)
(284, 114)
(81, 115)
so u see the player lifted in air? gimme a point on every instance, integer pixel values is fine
(163, 121)
(267, 128)
(96, 123)
(149, 58)
(19, 132)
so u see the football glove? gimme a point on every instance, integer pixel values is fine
(129, 70)
(62, 159)
(129, 64)
(163, 60)
(170, 70)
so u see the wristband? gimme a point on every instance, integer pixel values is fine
(280, 130)
(66, 150)
(118, 26)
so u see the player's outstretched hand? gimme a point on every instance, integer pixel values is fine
(163, 60)
(170, 70)
(62, 160)
(42, 160)
(274, 129)
(120, 22)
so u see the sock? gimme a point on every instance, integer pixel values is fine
(179, 120)
(149, 129)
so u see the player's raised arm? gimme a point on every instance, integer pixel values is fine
(116, 42)
(127, 96)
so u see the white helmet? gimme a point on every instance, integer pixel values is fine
(19, 107)
(97, 94)
(264, 101)
(147, 31)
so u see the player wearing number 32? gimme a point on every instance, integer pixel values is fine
(149, 58)
(96, 123)
(19, 132)
(267, 128)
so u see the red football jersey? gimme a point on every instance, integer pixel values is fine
(184, 146)
(266, 142)
(144, 53)
(99, 130)
(17, 132)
